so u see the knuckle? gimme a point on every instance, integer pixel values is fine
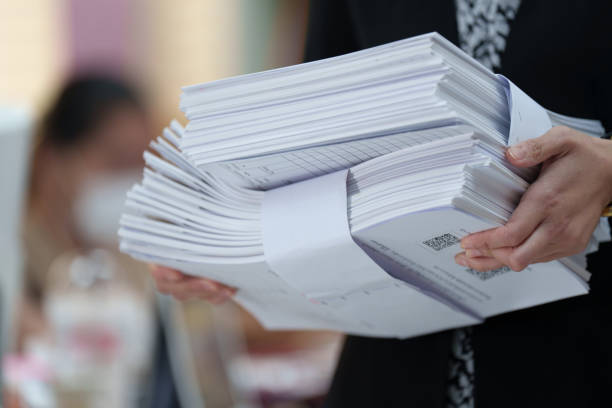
(560, 131)
(567, 136)
(567, 238)
(560, 230)
(534, 149)
(546, 195)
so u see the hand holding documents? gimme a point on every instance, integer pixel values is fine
(558, 213)
(334, 194)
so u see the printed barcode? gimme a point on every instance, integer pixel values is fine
(441, 242)
(489, 274)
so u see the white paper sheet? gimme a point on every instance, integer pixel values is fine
(199, 206)
(423, 246)
(307, 242)
(527, 118)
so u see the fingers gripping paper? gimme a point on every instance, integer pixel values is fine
(307, 242)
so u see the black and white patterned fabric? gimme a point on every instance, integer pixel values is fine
(461, 370)
(483, 28)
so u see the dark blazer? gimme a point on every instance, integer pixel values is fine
(555, 355)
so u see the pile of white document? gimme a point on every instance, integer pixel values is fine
(334, 194)
(243, 125)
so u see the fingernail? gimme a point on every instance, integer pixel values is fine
(473, 253)
(460, 259)
(228, 292)
(518, 152)
(466, 243)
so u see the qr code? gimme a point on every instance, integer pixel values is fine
(489, 274)
(441, 242)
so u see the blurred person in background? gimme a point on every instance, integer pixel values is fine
(96, 128)
(77, 183)
(82, 299)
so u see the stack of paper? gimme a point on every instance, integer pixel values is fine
(418, 83)
(399, 153)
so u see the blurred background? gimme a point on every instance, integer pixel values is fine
(84, 86)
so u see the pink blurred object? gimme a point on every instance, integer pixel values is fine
(286, 376)
(94, 340)
(99, 33)
(18, 369)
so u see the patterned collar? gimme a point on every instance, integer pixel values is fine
(484, 26)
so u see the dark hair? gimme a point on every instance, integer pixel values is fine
(82, 104)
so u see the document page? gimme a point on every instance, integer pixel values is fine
(420, 248)
(266, 172)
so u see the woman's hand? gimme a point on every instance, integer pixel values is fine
(557, 215)
(183, 287)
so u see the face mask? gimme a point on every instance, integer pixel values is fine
(100, 204)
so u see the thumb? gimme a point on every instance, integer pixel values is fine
(557, 141)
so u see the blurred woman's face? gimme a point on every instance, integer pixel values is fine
(88, 181)
(114, 146)
(117, 143)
